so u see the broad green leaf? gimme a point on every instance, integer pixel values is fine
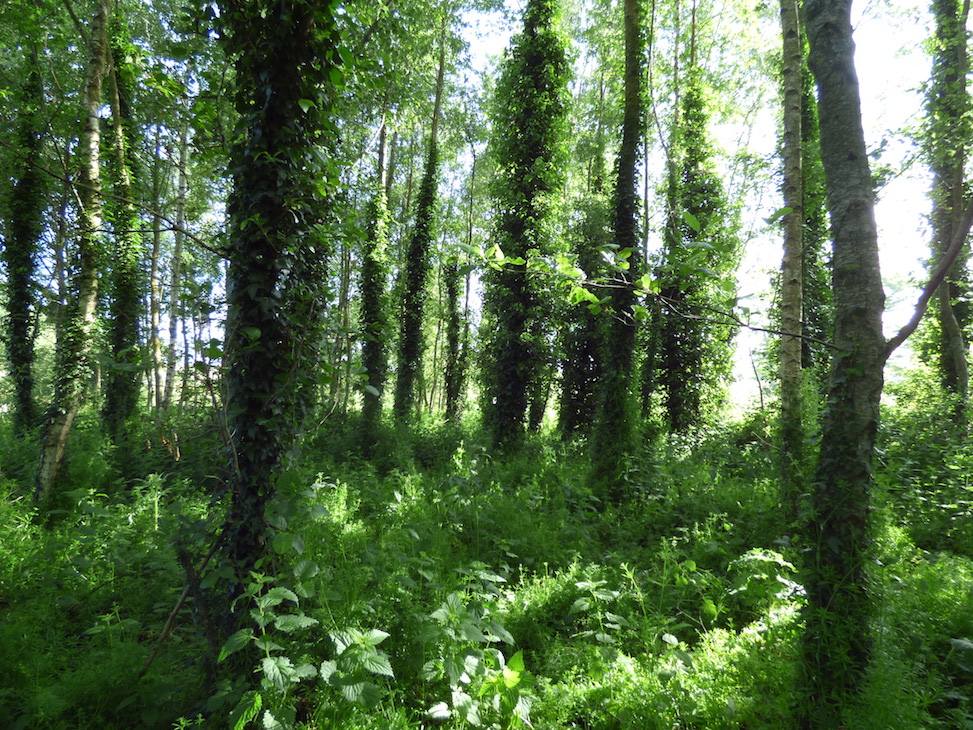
(279, 670)
(267, 644)
(777, 215)
(328, 668)
(691, 221)
(236, 642)
(305, 104)
(374, 637)
(440, 711)
(246, 710)
(670, 639)
(294, 622)
(377, 664)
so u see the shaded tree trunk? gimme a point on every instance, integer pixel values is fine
(175, 267)
(273, 283)
(614, 433)
(417, 265)
(949, 136)
(24, 228)
(74, 341)
(122, 381)
(836, 646)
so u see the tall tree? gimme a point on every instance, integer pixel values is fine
(374, 300)
(283, 56)
(25, 209)
(529, 130)
(75, 335)
(122, 386)
(948, 140)
(417, 264)
(792, 267)
(700, 255)
(613, 437)
(836, 640)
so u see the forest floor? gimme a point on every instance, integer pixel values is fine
(450, 588)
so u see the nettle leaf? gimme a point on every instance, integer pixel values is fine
(278, 595)
(294, 622)
(246, 710)
(327, 670)
(266, 644)
(440, 711)
(279, 670)
(377, 663)
(374, 637)
(285, 542)
(236, 642)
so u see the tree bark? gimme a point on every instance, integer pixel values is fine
(836, 647)
(417, 265)
(74, 343)
(175, 267)
(24, 228)
(792, 268)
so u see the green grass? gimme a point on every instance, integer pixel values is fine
(445, 587)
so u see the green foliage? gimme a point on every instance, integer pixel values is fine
(529, 120)
(690, 362)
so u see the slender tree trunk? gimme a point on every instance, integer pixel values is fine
(837, 643)
(74, 344)
(417, 265)
(375, 303)
(155, 285)
(792, 269)
(614, 433)
(122, 382)
(24, 228)
(175, 268)
(949, 140)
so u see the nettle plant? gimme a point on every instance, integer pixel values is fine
(486, 688)
(277, 616)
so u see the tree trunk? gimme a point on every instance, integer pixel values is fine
(175, 268)
(837, 641)
(614, 432)
(949, 137)
(417, 265)
(24, 228)
(155, 285)
(74, 343)
(122, 381)
(273, 285)
(792, 268)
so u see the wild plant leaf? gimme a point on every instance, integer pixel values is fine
(294, 622)
(377, 663)
(279, 670)
(246, 710)
(374, 637)
(236, 642)
(327, 670)
(439, 712)
(267, 644)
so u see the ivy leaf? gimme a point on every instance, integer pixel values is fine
(691, 221)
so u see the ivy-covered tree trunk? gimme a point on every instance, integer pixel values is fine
(701, 252)
(75, 335)
(417, 265)
(792, 267)
(948, 140)
(125, 288)
(613, 437)
(281, 54)
(374, 303)
(529, 131)
(836, 647)
(25, 208)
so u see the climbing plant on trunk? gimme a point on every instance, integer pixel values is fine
(529, 132)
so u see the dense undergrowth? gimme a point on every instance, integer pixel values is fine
(437, 586)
